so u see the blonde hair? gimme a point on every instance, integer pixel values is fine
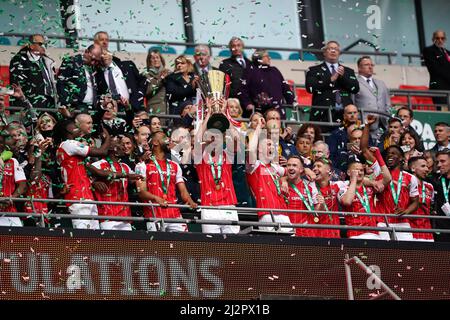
(238, 103)
(41, 120)
(183, 58)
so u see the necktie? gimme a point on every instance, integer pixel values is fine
(242, 62)
(337, 93)
(446, 54)
(112, 83)
(369, 82)
(205, 70)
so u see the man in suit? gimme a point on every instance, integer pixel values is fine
(202, 57)
(34, 72)
(76, 85)
(437, 60)
(234, 67)
(122, 80)
(442, 135)
(331, 85)
(373, 95)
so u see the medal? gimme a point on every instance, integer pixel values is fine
(219, 170)
(316, 219)
(364, 200)
(164, 196)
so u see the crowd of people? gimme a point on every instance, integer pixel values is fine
(101, 139)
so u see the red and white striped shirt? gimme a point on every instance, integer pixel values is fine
(117, 190)
(263, 187)
(154, 186)
(209, 194)
(70, 156)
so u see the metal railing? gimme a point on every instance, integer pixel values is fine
(392, 230)
(410, 94)
(348, 275)
(300, 51)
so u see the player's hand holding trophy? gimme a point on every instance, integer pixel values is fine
(212, 85)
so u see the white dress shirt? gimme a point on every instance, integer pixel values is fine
(119, 79)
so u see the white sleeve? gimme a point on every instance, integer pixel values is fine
(141, 169)
(179, 176)
(432, 193)
(98, 164)
(75, 148)
(376, 168)
(414, 187)
(280, 170)
(19, 174)
(343, 187)
(314, 193)
(126, 168)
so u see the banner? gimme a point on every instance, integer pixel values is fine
(63, 264)
(424, 123)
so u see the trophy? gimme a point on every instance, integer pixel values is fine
(212, 85)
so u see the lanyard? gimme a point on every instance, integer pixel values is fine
(219, 169)
(318, 190)
(396, 193)
(424, 196)
(113, 169)
(2, 171)
(309, 203)
(275, 179)
(165, 187)
(364, 201)
(445, 188)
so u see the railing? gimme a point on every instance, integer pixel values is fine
(392, 230)
(423, 93)
(411, 56)
(118, 42)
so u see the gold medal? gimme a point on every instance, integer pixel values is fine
(217, 187)
(1, 194)
(316, 219)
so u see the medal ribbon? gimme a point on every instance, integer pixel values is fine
(113, 169)
(445, 188)
(275, 180)
(396, 193)
(364, 201)
(423, 193)
(165, 186)
(309, 203)
(219, 169)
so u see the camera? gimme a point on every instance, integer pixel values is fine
(47, 134)
(5, 90)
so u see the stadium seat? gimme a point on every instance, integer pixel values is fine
(415, 100)
(307, 56)
(275, 55)
(224, 53)
(189, 51)
(4, 41)
(304, 98)
(22, 42)
(164, 49)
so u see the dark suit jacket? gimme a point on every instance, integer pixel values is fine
(198, 71)
(438, 67)
(134, 80)
(231, 67)
(28, 75)
(318, 82)
(72, 82)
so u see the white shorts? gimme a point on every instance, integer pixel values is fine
(401, 236)
(280, 218)
(367, 236)
(227, 215)
(115, 225)
(168, 227)
(10, 222)
(84, 209)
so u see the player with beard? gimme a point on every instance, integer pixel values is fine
(441, 183)
(302, 195)
(327, 196)
(401, 197)
(263, 177)
(418, 166)
(115, 176)
(161, 176)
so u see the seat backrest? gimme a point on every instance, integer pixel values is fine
(275, 55)
(164, 49)
(5, 41)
